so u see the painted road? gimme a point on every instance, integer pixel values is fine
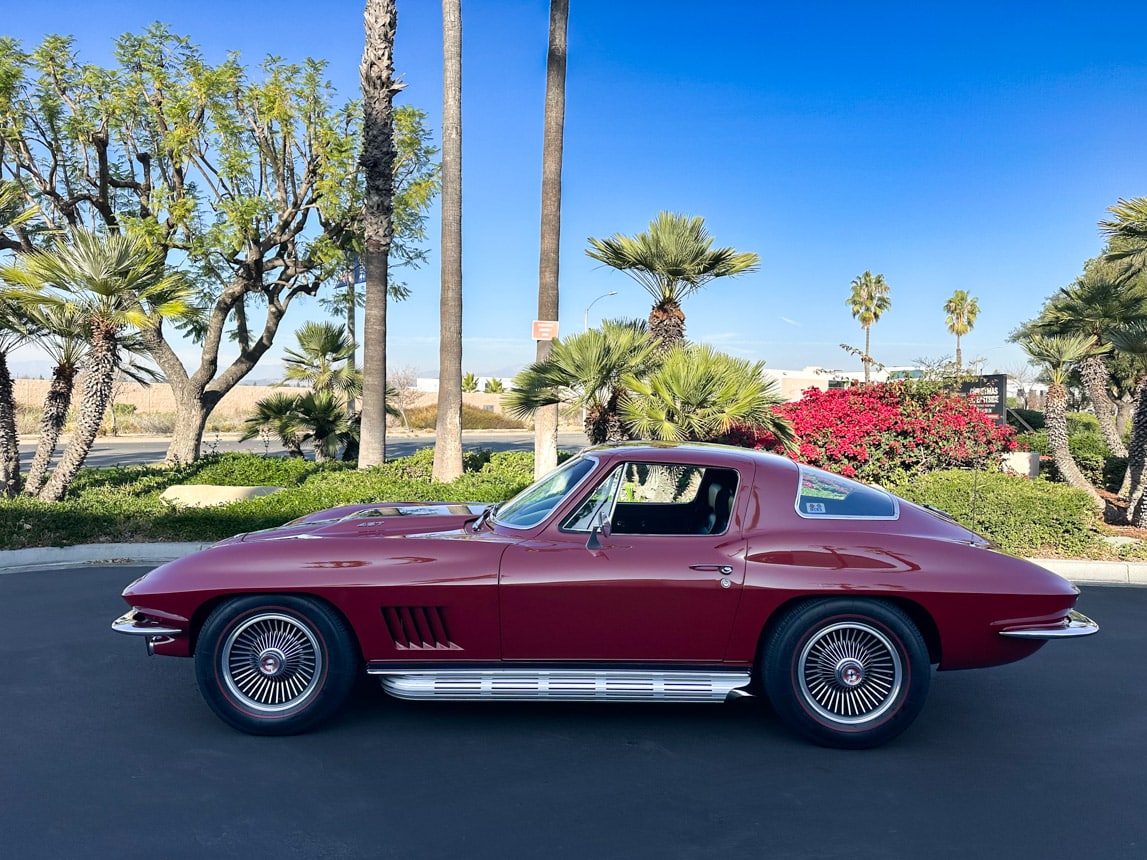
(107, 752)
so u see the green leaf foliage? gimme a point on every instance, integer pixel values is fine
(123, 503)
(1023, 517)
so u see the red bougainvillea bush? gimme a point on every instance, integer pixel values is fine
(881, 433)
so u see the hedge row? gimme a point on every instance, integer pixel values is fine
(1030, 518)
(123, 503)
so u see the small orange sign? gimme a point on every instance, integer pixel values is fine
(545, 329)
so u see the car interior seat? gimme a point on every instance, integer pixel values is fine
(716, 516)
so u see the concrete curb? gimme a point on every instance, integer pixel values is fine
(1097, 572)
(1079, 571)
(45, 557)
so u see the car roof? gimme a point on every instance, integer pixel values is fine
(703, 453)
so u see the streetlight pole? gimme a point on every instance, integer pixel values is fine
(585, 327)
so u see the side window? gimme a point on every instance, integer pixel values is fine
(660, 499)
(585, 516)
(823, 495)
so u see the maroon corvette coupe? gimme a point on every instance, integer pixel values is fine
(642, 572)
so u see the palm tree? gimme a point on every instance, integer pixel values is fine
(323, 360)
(15, 216)
(14, 330)
(346, 300)
(470, 382)
(868, 301)
(66, 343)
(1127, 230)
(672, 260)
(584, 372)
(379, 154)
(1132, 339)
(321, 419)
(63, 336)
(1100, 300)
(493, 386)
(115, 283)
(448, 427)
(698, 393)
(962, 311)
(553, 137)
(1058, 354)
(275, 415)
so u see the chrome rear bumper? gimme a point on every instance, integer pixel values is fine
(1074, 624)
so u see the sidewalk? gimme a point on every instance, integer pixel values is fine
(1079, 571)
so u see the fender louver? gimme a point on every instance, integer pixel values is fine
(418, 627)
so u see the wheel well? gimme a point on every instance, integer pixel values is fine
(917, 613)
(200, 616)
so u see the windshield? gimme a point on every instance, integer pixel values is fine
(536, 502)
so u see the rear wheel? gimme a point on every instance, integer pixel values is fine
(275, 665)
(847, 673)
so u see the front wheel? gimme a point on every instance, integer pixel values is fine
(275, 665)
(847, 673)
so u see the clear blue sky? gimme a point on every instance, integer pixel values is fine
(969, 145)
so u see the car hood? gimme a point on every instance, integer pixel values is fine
(390, 518)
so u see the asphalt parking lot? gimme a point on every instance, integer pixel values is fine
(107, 752)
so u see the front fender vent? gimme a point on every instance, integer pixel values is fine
(418, 628)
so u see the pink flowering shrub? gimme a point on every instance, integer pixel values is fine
(885, 432)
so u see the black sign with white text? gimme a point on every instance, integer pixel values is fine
(989, 393)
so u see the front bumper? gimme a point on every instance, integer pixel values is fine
(1071, 626)
(135, 623)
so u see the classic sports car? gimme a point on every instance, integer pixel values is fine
(641, 572)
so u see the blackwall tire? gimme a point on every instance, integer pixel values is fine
(850, 674)
(275, 665)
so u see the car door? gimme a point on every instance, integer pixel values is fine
(661, 585)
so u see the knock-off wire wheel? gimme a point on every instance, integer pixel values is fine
(276, 664)
(846, 672)
(850, 672)
(271, 662)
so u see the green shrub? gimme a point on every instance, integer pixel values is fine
(1114, 468)
(1090, 452)
(473, 418)
(252, 470)
(1033, 418)
(1081, 422)
(1023, 517)
(123, 504)
(1088, 449)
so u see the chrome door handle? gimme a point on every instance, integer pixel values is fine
(723, 569)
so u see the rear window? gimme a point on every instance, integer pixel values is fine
(823, 495)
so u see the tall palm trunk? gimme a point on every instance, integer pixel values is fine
(1055, 418)
(1093, 371)
(959, 355)
(667, 324)
(52, 422)
(448, 430)
(553, 135)
(99, 374)
(867, 359)
(9, 443)
(352, 338)
(378, 156)
(1136, 459)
